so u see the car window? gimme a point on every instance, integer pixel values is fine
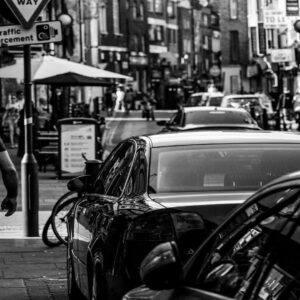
(240, 167)
(176, 119)
(114, 172)
(136, 184)
(217, 117)
(269, 236)
(242, 102)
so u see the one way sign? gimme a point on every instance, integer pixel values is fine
(26, 11)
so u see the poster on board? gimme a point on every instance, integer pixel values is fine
(77, 136)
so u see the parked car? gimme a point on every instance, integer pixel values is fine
(203, 118)
(205, 99)
(254, 254)
(258, 105)
(160, 188)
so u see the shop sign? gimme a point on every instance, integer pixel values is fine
(282, 55)
(292, 7)
(138, 60)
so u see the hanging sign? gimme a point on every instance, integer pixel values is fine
(26, 11)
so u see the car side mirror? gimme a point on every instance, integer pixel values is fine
(162, 123)
(161, 268)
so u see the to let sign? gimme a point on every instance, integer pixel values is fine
(40, 33)
(26, 11)
(274, 19)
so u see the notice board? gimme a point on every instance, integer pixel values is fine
(76, 136)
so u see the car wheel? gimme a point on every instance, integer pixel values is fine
(73, 291)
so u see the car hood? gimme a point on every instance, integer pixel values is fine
(218, 126)
(213, 206)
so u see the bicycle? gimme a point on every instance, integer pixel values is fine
(55, 230)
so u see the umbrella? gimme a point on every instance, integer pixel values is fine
(73, 79)
(48, 66)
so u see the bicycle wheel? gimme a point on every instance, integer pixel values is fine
(48, 236)
(58, 219)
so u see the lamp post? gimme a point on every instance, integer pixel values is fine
(66, 21)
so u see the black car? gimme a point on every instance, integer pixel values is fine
(254, 254)
(164, 187)
(209, 118)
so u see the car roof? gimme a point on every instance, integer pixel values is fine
(213, 108)
(243, 96)
(222, 137)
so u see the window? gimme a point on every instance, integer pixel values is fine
(150, 5)
(152, 33)
(143, 44)
(134, 10)
(114, 173)
(234, 46)
(253, 40)
(233, 9)
(254, 238)
(205, 20)
(141, 12)
(102, 18)
(158, 6)
(239, 167)
(137, 181)
(159, 33)
(116, 16)
(234, 84)
(171, 9)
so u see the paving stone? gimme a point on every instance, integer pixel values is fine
(14, 293)
(12, 283)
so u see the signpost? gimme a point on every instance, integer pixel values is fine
(26, 11)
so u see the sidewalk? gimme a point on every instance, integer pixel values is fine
(32, 271)
(29, 270)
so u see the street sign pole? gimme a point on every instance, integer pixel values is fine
(29, 168)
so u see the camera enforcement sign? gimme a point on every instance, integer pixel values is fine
(26, 11)
(40, 33)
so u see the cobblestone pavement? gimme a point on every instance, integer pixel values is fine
(30, 270)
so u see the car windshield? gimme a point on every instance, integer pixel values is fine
(202, 168)
(215, 101)
(241, 102)
(194, 100)
(217, 117)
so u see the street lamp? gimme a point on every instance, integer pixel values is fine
(66, 22)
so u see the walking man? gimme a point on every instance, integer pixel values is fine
(10, 180)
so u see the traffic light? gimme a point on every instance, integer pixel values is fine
(297, 26)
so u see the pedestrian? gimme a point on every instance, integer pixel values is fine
(119, 106)
(10, 118)
(296, 108)
(10, 180)
(285, 108)
(109, 101)
(129, 99)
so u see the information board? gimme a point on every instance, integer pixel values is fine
(76, 138)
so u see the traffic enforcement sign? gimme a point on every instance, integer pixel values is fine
(26, 11)
(40, 33)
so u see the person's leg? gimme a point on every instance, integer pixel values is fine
(11, 129)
